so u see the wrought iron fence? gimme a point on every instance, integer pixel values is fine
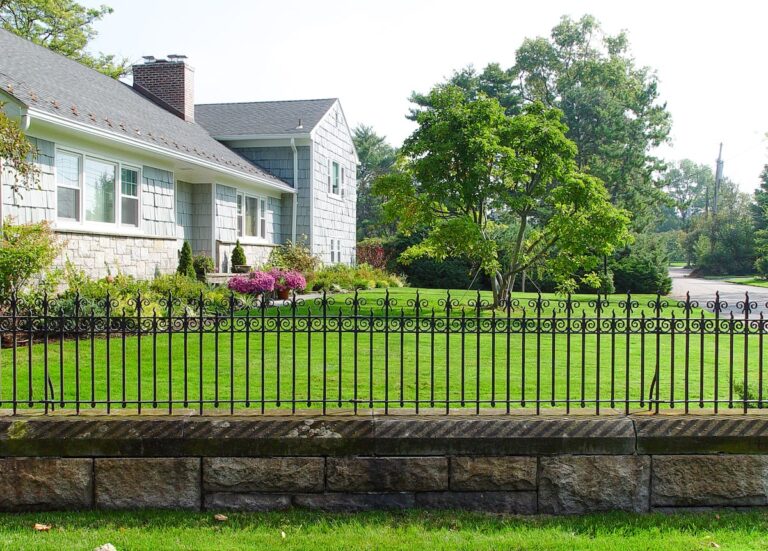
(399, 352)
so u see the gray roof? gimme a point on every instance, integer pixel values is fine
(262, 117)
(49, 82)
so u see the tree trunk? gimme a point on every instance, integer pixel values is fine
(502, 285)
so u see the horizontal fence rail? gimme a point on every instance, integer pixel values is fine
(393, 354)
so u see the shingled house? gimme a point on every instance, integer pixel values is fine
(129, 172)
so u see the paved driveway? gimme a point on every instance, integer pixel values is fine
(703, 290)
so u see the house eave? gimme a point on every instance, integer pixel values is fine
(141, 145)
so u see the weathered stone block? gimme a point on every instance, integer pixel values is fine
(33, 484)
(520, 503)
(362, 474)
(355, 502)
(493, 473)
(714, 480)
(247, 502)
(148, 482)
(264, 474)
(583, 483)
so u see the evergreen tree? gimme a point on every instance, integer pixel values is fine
(185, 261)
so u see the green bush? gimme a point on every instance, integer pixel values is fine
(238, 256)
(644, 268)
(25, 250)
(203, 265)
(293, 256)
(350, 278)
(185, 267)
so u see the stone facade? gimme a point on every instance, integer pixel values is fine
(343, 463)
(100, 255)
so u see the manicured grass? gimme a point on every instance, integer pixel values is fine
(299, 530)
(370, 367)
(748, 280)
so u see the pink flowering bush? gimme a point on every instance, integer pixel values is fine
(288, 280)
(255, 283)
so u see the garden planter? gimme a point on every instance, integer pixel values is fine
(241, 268)
(284, 294)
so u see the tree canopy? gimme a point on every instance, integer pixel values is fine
(64, 26)
(16, 153)
(610, 106)
(470, 170)
(376, 158)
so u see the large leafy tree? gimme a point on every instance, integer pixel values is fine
(64, 26)
(469, 169)
(760, 220)
(687, 185)
(611, 107)
(376, 158)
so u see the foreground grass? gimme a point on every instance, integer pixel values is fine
(402, 530)
(369, 367)
(407, 530)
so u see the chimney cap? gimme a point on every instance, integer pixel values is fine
(177, 57)
(148, 58)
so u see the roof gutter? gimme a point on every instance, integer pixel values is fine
(139, 144)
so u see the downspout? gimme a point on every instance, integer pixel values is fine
(295, 189)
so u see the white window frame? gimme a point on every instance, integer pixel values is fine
(331, 179)
(121, 195)
(82, 223)
(262, 203)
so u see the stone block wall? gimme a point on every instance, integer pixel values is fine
(100, 255)
(509, 465)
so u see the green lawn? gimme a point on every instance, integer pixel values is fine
(748, 280)
(268, 369)
(409, 530)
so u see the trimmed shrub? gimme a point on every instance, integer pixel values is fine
(185, 267)
(238, 256)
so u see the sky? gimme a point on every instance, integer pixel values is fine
(710, 58)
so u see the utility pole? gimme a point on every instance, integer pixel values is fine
(718, 178)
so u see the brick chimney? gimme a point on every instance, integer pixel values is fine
(167, 82)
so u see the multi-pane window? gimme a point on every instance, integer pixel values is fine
(99, 186)
(251, 216)
(68, 168)
(335, 178)
(335, 251)
(129, 196)
(95, 190)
